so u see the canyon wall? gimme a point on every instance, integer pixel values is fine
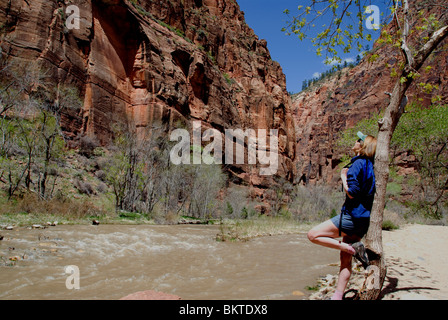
(148, 62)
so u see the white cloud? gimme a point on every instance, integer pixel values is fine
(316, 74)
(349, 60)
(335, 62)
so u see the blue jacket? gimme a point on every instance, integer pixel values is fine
(361, 186)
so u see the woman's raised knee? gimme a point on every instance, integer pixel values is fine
(312, 235)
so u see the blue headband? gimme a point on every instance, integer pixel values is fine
(362, 136)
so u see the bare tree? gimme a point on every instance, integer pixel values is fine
(135, 168)
(207, 181)
(30, 106)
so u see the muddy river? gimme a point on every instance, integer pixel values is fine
(112, 261)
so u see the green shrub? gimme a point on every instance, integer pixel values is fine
(393, 189)
(389, 225)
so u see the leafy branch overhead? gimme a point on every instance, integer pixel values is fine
(337, 27)
(332, 26)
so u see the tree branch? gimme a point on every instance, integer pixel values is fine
(404, 46)
(429, 47)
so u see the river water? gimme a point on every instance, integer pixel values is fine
(185, 260)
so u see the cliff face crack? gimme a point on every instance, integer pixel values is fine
(183, 60)
(200, 83)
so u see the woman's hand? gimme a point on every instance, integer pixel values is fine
(344, 181)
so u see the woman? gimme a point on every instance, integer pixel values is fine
(353, 221)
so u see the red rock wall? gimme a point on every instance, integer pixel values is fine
(146, 61)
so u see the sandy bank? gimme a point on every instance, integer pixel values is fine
(416, 257)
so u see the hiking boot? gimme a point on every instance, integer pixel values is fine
(361, 254)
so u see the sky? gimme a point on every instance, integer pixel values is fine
(298, 59)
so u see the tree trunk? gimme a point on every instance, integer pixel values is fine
(387, 126)
(374, 235)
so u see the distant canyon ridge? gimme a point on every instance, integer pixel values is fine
(175, 62)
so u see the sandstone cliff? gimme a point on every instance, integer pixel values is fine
(148, 61)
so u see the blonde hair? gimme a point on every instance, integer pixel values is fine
(368, 148)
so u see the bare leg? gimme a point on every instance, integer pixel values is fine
(346, 267)
(325, 235)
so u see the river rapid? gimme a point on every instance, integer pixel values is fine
(185, 260)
